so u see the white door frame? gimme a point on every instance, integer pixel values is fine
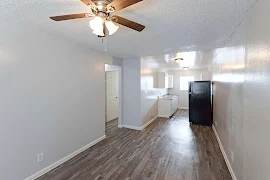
(120, 97)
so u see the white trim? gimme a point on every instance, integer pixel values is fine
(148, 123)
(132, 127)
(224, 154)
(183, 108)
(139, 128)
(61, 161)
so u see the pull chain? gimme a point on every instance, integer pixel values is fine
(104, 41)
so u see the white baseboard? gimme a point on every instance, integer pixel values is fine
(149, 122)
(163, 116)
(120, 126)
(140, 128)
(132, 127)
(224, 155)
(186, 108)
(61, 161)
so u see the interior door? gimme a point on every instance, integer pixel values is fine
(112, 95)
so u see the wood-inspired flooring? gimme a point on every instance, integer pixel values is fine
(168, 149)
(111, 127)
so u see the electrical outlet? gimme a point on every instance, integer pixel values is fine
(39, 157)
(232, 156)
(216, 123)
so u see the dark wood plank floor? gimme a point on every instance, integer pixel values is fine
(111, 127)
(168, 149)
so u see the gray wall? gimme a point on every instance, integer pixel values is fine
(149, 94)
(241, 74)
(51, 99)
(139, 95)
(131, 92)
(116, 61)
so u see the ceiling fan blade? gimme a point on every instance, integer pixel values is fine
(128, 23)
(121, 4)
(71, 16)
(88, 2)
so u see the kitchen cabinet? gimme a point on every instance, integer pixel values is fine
(162, 80)
(170, 81)
(167, 105)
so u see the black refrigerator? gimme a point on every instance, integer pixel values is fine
(200, 103)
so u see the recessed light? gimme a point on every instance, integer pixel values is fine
(178, 60)
(185, 68)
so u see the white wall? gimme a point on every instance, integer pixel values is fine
(241, 74)
(149, 94)
(183, 94)
(51, 99)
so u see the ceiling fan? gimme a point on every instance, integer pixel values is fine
(103, 11)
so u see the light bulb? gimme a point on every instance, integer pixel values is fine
(96, 23)
(99, 32)
(111, 27)
(97, 26)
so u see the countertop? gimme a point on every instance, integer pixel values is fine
(168, 97)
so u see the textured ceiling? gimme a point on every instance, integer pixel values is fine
(171, 26)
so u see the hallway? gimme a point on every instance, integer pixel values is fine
(166, 149)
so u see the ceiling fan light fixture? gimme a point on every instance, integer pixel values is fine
(97, 26)
(99, 33)
(179, 60)
(102, 10)
(112, 28)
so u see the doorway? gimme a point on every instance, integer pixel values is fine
(112, 94)
(112, 98)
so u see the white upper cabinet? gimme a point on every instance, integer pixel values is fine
(162, 80)
(170, 81)
(165, 80)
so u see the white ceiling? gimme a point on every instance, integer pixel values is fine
(171, 26)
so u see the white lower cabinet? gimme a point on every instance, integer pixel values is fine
(167, 106)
